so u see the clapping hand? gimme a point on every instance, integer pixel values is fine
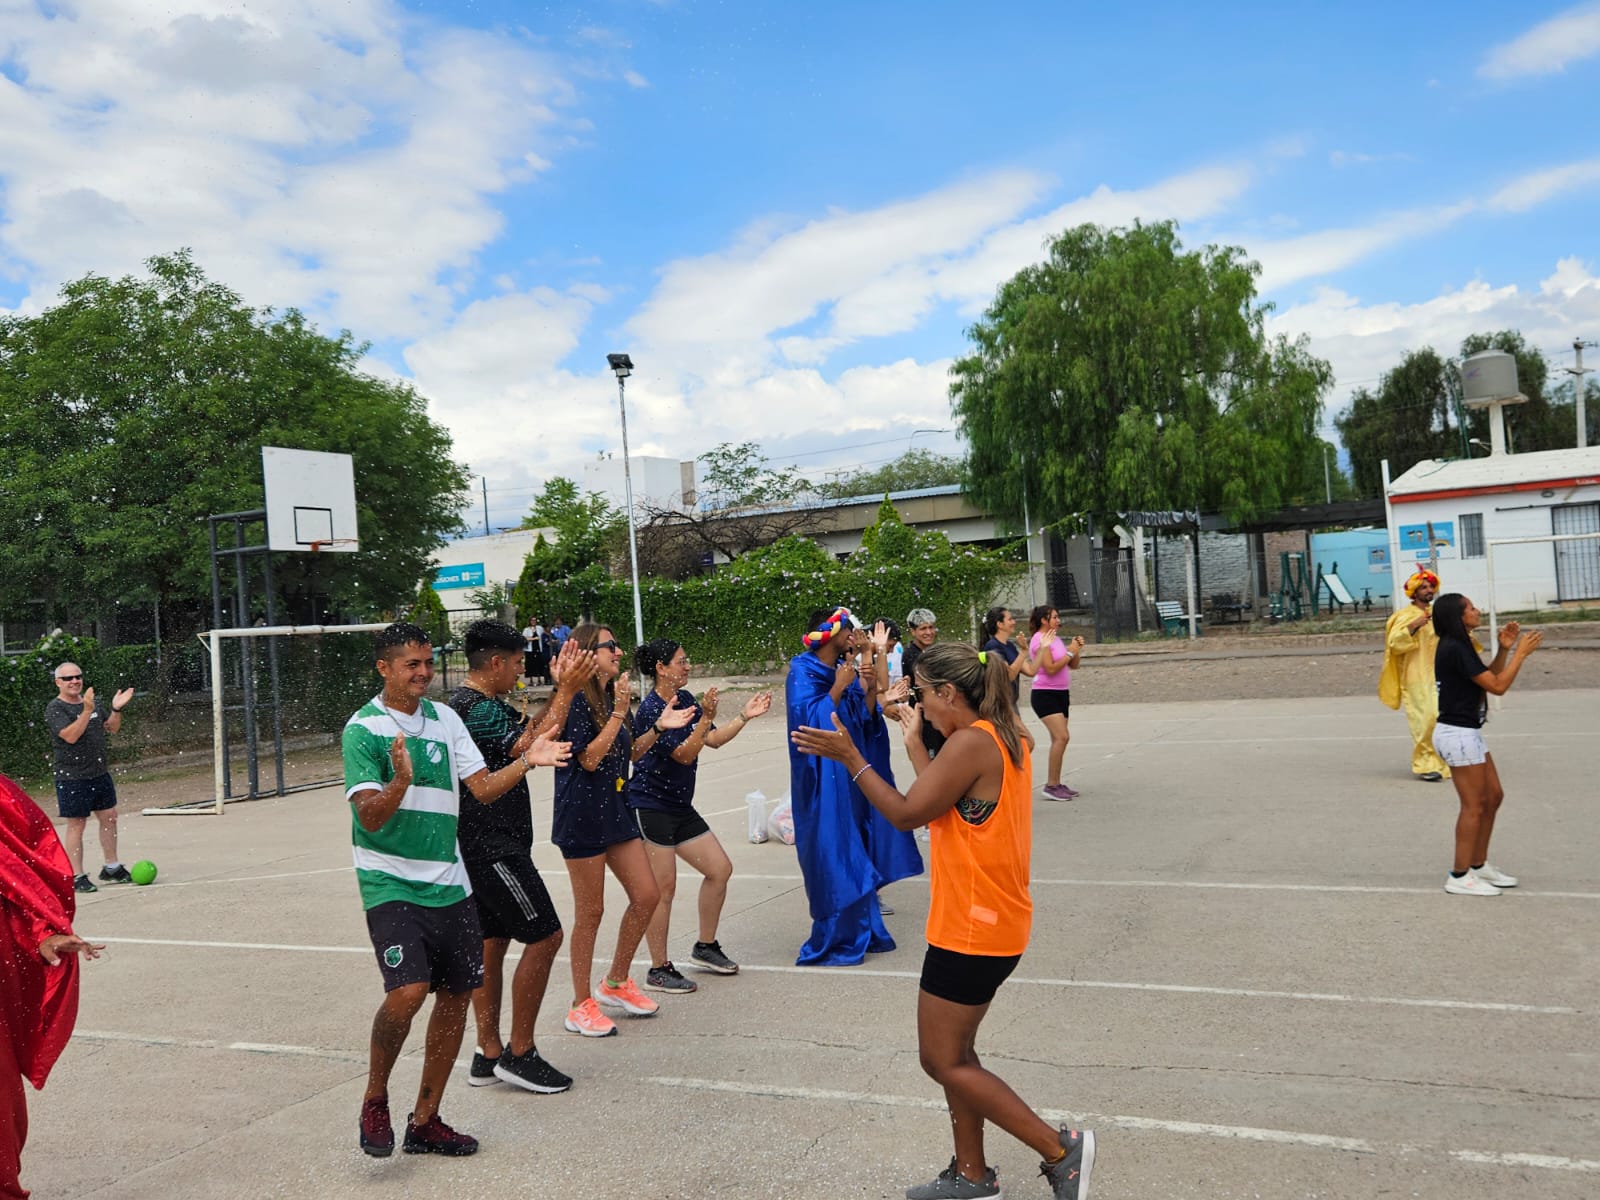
(120, 700)
(880, 637)
(547, 752)
(708, 704)
(400, 757)
(757, 706)
(624, 693)
(676, 716)
(1509, 632)
(573, 667)
(834, 744)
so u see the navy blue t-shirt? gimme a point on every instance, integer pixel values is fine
(591, 812)
(659, 781)
(1009, 652)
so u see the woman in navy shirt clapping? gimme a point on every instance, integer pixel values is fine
(661, 794)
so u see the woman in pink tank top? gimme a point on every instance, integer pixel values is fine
(1051, 697)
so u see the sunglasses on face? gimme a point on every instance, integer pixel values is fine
(607, 645)
(67, 678)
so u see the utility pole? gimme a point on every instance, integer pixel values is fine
(483, 480)
(1578, 371)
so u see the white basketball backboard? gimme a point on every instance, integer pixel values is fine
(311, 500)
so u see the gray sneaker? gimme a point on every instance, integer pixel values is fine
(1069, 1178)
(667, 978)
(952, 1185)
(481, 1072)
(709, 956)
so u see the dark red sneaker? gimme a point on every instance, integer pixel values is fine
(436, 1137)
(377, 1134)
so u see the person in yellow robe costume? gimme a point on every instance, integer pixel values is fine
(1408, 646)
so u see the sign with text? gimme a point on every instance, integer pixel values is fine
(462, 575)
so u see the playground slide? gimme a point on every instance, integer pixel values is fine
(1338, 590)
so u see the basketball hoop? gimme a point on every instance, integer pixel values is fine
(331, 544)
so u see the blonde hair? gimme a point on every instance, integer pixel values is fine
(984, 682)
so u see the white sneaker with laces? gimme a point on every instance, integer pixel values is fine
(1491, 874)
(1469, 885)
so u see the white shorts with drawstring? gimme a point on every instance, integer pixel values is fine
(1460, 747)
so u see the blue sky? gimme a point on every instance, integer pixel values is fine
(788, 214)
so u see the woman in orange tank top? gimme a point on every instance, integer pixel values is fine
(976, 797)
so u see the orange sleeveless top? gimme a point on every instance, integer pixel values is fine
(980, 902)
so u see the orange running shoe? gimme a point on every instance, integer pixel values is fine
(588, 1020)
(626, 997)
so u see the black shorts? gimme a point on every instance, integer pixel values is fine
(661, 828)
(1050, 702)
(415, 943)
(78, 798)
(512, 900)
(965, 978)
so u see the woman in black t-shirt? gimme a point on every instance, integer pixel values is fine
(593, 829)
(1000, 631)
(1464, 686)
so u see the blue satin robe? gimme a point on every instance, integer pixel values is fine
(893, 851)
(830, 821)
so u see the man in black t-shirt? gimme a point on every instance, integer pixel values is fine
(78, 727)
(497, 849)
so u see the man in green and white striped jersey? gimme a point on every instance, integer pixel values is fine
(403, 759)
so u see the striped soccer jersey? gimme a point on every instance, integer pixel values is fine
(414, 856)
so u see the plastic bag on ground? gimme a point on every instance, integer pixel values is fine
(780, 825)
(757, 803)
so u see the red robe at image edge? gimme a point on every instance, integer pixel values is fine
(39, 1002)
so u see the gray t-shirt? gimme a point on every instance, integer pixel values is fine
(86, 757)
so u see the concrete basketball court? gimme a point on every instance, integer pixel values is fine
(1244, 974)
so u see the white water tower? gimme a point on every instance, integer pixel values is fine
(1489, 380)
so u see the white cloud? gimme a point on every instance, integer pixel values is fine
(1537, 187)
(1354, 158)
(343, 159)
(1550, 46)
(1329, 250)
(634, 79)
(1363, 341)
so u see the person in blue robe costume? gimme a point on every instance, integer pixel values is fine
(893, 851)
(830, 813)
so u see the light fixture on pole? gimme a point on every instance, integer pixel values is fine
(623, 366)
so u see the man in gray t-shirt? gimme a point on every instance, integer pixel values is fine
(78, 728)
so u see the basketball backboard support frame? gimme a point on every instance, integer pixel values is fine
(310, 501)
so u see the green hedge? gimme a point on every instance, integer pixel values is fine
(322, 680)
(754, 610)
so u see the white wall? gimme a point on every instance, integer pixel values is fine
(501, 556)
(1524, 575)
(656, 481)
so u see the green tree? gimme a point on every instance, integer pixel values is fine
(588, 528)
(135, 407)
(1124, 373)
(740, 476)
(913, 469)
(1409, 419)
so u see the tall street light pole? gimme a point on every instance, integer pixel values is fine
(623, 366)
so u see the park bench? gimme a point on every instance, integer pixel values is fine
(1173, 619)
(1226, 607)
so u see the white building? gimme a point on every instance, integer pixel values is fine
(657, 482)
(1474, 504)
(472, 564)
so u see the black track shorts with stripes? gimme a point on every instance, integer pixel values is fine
(512, 900)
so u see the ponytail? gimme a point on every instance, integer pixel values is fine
(985, 681)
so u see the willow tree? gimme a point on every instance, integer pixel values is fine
(1124, 374)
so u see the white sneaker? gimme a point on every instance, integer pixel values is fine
(1490, 874)
(1469, 885)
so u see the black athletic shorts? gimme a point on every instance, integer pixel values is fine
(965, 978)
(674, 828)
(80, 798)
(415, 943)
(1050, 702)
(512, 900)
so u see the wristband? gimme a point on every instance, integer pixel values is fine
(655, 728)
(865, 767)
(616, 716)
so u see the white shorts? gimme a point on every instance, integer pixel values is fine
(1460, 747)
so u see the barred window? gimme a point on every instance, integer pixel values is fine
(1471, 535)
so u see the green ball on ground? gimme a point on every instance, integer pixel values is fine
(143, 872)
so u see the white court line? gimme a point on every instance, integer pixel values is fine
(871, 973)
(138, 1039)
(1282, 1137)
(1212, 885)
(1380, 890)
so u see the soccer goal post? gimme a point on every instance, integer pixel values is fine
(214, 640)
(1575, 578)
